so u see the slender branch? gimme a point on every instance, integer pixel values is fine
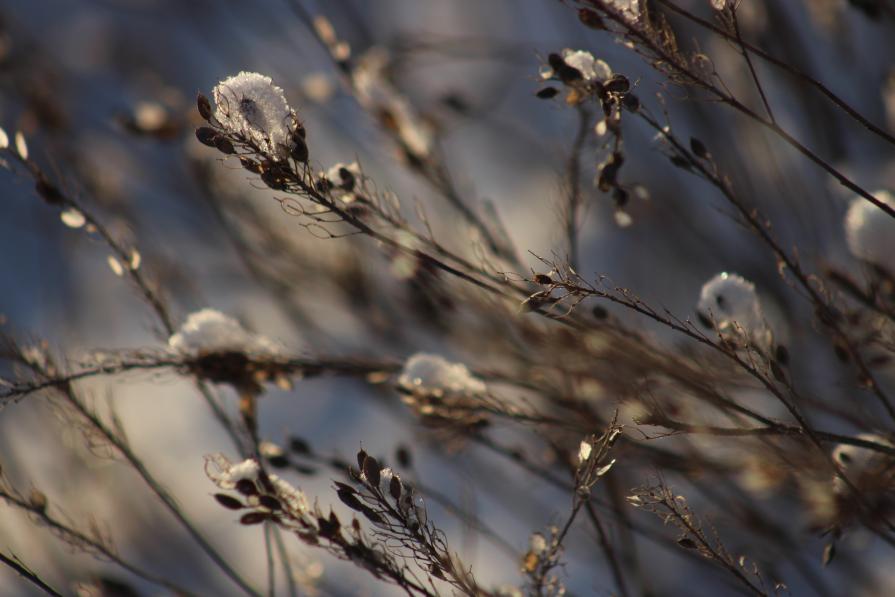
(739, 38)
(79, 538)
(679, 66)
(573, 178)
(28, 574)
(824, 90)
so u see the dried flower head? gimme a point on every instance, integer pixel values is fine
(210, 331)
(732, 303)
(249, 104)
(870, 232)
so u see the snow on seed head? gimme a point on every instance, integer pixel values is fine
(434, 374)
(870, 232)
(731, 301)
(210, 331)
(249, 104)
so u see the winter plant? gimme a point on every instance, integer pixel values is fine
(565, 390)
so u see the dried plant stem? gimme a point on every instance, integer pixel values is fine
(28, 574)
(682, 69)
(121, 444)
(429, 167)
(573, 180)
(80, 538)
(823, 89)
(608, 551)
(826, 313)
(732, 11)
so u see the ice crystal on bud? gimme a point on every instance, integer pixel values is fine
(249, 104)
(435, 374)
(732, 303)
(870, 232)
(591, 68)
(209, 331)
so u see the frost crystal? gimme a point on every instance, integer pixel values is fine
(209, 331)
(870, 232)
(249, 104)
(732, 302)
(434, 374)
(591, 68)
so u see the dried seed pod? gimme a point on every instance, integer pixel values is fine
(617, 84)
(590, 18)
(402, 454)
(631, 102)
(246, 487)
(224, 145)
(270, 502)
(371, 470)
(698, 148)
(394, 487)
(254, 518)
(251, 165)
(299, 151)
(207, 136)
(228, 502)
(204, 107)
(299, 445)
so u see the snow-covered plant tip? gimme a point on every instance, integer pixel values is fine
(210, 331)
(433, 374)
(731, 303)
(250, 104)
(870, 232)
(252, 113)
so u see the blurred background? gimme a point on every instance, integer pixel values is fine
(104, 91)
